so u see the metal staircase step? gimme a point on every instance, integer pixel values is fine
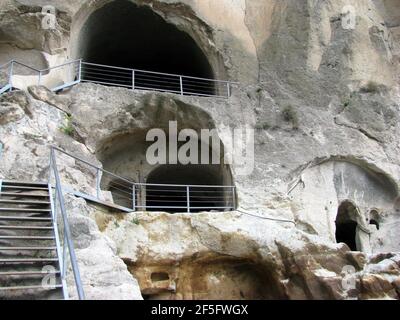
(25, 202)
(16, 194)
(29, 260)
(32, 287)
(27, 248)
(23, 187)
(28, 241)
(16, 182)
(23, 210)
(27, 273)
(26, 219)
(25, 228)
(25, 238)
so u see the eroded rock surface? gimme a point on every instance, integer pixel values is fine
(324, 103)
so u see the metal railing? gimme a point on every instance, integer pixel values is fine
(17, 74)
(5, 77)
(62, 232)
(157, 81)
(70, 73)
(131, 196)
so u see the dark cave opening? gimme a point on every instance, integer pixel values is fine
(375, 219)
(124, 34)
(375, 223)
(209, 190)
(346, 225)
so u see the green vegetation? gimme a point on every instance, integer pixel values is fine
(135, 221)
(346, 103)
(68, 128)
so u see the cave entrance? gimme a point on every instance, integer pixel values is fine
(346, 225)
(211, 186)
(199, 187)
(127, 35)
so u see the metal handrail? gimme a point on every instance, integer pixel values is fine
(41, 72)
(158, 73)
(133, 79)
(91, 164)
(129, 190)
(61, 65)
(25, 65)
(67, 232)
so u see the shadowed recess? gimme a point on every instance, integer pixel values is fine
(126, 35)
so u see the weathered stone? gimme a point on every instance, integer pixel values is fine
(375, 286)
(324, 102)
(10, 113)
(43, 94)
(359, 259)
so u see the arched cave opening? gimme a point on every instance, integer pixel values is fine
(346, 225)
(127, 35)
(207, 191)
(374, 223)
(125, 156)
(374, 219)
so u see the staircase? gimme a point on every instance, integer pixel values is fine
(29, 255)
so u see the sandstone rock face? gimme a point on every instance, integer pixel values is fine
(104, 274)
(324, 103)
(234, 256)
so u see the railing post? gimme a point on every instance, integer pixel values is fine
(11, 75)
(181, 83)
(98, 183)
(188, 198)
(233, 199)
(133, 197)
(80, 70)
(228, 85)
(133, 79)
(40, 78)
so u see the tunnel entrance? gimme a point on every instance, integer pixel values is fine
(127, 35)
(346, 226)
(200, 187)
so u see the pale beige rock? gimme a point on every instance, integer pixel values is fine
(325, 105)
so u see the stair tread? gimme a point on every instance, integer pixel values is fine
(29, 260)
(23, 187)
(12, 194)
(32, 287)
(25, 210)
(25, 228)
(26, 237)
(12, 182)
(27, 248)
(24, 202)
(23, 273)
(25, 218)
